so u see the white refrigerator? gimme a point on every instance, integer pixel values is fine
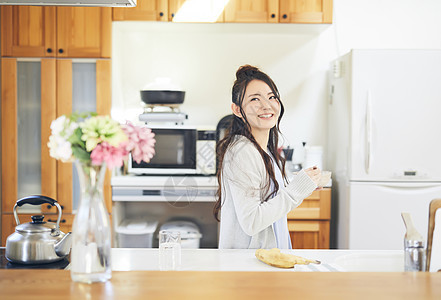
(384, 144)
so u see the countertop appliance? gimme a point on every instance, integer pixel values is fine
(181, 150)
(384, 129)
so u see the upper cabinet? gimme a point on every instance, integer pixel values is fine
(48, 31)
(145, 10)
(305, 11)
(252, 11)
(235, 11)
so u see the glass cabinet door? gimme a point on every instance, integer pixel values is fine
(83, 85)
(83, 100)
(28, 130)
(28, 108)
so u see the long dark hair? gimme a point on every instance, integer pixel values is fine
(244, 75)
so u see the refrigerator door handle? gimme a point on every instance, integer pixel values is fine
(411, 185)
(368, 133)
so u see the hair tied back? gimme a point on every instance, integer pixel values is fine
(247, 71)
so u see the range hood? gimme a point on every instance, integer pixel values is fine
(108, 3)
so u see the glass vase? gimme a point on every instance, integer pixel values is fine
(91, 240)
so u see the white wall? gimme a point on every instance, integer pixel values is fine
(203, 58)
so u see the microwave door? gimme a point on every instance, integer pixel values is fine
(175, 153)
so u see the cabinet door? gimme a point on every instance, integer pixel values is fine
(252, 11)
(196, 11)
(84, 32)
(316, 207)
(82, 85)
(145, 10)
(28, 31)
(309, 234)
(28, 106)
(306, 11)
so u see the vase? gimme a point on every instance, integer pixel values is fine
(91, 233)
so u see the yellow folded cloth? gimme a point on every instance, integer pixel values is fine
(278, 259)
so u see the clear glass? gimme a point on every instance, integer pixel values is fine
(91, 240)
(83, 100)
(169, 250)
(29, 129)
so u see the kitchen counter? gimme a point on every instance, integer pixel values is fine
(56, 284)
(133, 259)
(212, 273)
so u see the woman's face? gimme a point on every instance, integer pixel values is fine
(260, 106)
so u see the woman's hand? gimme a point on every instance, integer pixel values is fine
(314, 173)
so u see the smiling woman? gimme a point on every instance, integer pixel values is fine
(254, 192)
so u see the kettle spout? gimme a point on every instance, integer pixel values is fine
(62, 247)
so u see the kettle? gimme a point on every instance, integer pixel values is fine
(37, 242)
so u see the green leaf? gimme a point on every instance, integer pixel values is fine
(80, 154)
(75, 138)
(76, 116)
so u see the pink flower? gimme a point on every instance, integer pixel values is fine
(112, 156)
(141, 142)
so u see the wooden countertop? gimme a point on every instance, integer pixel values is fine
(56, 284)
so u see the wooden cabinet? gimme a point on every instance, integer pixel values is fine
(34, 91)
(305, 11)
(145, 10)
(235, 11)
(161, 10)
(40, 31)
(252, 11)
(309, 224)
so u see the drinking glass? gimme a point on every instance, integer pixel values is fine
(169, 250)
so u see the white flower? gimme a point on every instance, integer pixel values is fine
(63, 126)
(60, 148)
(57, 125)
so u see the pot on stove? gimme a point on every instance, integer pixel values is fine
(37, 242)
(162, 92)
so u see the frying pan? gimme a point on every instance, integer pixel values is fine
(162, 97)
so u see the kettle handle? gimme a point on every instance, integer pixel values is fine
(37, 200)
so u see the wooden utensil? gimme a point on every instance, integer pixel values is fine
(411, 233)
(434, 205)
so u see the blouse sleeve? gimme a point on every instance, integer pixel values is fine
(244, 173)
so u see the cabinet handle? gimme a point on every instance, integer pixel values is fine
(273, 16)
(61, 221)
(49, 50)
(285, 16)
(173, 15)
(60, 51)
(161, 14)
(49, 206)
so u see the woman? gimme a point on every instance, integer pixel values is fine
(254, 195)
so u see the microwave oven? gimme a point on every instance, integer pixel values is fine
(179, 150)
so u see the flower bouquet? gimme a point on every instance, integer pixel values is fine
(99, 139)
(95, 143)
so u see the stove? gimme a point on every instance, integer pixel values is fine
(6, 264)
(166, 113)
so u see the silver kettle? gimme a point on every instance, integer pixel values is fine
(37, 242)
